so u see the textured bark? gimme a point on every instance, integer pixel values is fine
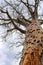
(32, 53)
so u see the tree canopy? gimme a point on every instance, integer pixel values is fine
(20, 13)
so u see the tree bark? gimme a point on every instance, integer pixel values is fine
(32, 53)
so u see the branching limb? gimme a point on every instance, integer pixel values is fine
(22, 31)
(36, 8)
(24, 23)
(41, 21)
(15, 9)
(28, 7)
(5, 23)
(10, 30)
(15, 26)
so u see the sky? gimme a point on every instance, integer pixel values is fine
(8, 55)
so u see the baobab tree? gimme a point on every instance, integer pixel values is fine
(32, 53)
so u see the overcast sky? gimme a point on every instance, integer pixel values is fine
(8, 55)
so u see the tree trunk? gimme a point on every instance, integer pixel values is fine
(32, 53)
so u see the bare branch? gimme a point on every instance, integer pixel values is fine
(2, 11)
(41, 21)
(5, 23)
(28, 7)
(10, 30)
(24, 23)
(15, 10)
(22, 31)
(5, 19)
(27, 1)
(15, 26)
(16, 21)
(36, 7)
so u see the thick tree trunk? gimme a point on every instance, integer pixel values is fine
(32, 53)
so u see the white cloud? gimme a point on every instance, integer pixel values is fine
(15, 62)
(7, 55)
(2, 56)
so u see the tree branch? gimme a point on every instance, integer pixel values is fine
(10, 30)
(36, 7)
(15, 9)
(15, 26)
(25, 23)
(2, 11)
(5, 19)
(22, 22)
(16, 21)
(28, 7)
(5, 23)
(41, 21)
